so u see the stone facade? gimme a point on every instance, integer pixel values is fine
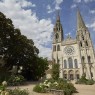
(75, 56)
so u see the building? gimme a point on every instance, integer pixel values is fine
(75, 56)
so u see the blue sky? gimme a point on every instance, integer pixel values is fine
(36, 18)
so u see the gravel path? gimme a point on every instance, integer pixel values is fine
(82, 89)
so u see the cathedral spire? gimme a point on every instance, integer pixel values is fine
(58, 16)
(80, 22)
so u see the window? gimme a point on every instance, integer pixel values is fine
(65, 64)
(81, 44)
(76, 64)
(58, 48)
(82, 59)
(70, 62)
(82, 37)
(54, 48)
(86, 43)
(56, 36)
(89, 59)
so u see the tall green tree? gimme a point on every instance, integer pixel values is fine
(17, 50)
(55, 71)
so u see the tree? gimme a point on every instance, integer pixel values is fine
(18, 51)
(37, 70)
(55, 71)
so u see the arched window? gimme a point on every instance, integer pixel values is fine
(89, 59)
(82, 59)
(65, 64)
(82, 37)
(80, 44)
(58, 48)
(76, 63)
(70, 62)
(86, 43)
(57, 36)
(54, 48)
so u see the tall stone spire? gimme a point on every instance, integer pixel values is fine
(58, 16)
(58, 30)
(80, 22)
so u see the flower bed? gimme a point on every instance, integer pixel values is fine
(55, 85)
(16, 91)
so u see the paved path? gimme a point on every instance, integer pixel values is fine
(82, 89)
(85, 89)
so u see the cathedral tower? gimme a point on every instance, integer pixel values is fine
(86, 48)
(58, 31)
(57, 40)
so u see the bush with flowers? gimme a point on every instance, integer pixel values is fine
(15, 80)
(16, 91)
(60, 84)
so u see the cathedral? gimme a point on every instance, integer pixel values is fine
(75, 56)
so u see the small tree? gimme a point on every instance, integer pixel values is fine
(55, 71)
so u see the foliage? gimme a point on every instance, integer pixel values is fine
(18, 91)
(83, 80)
(17, 50)
(39, 88)
(2, 87)
(37, 70)
(15, 80)
(69, 89)
(60, 84)
(55, 71)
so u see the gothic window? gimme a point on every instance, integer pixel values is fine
(70, 62)
(86, 43)
(56, 36)
(54, 48)
(65, 64)
(82, 37)
(89, 59)
(58, 48)
(81, 44)
(82, 59)
(76, 64)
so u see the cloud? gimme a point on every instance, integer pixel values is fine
(92, 11)
(57, 4)
(92, 25)
(77, 1)
(50, 10)
(73, 6)
(87, 1)
(40, 30)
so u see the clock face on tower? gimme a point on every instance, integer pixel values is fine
(69, 50)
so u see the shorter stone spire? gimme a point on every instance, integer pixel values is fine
(80, 22)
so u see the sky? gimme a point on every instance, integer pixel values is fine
(36, 19)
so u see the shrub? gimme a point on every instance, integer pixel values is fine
(83, 80)
(15, 80)
(2, 87)
(59, 84)
(55, 71)
(90, 82)
(39, 89)
(18, 91)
